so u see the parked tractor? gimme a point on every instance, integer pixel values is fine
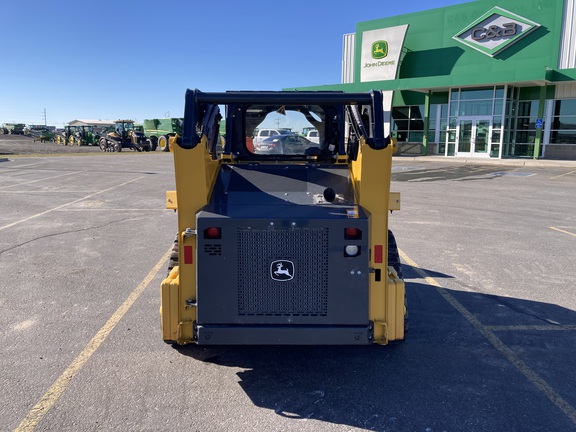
(43, 135)
(159, 131)
(13, 128)
(66, 137)
(124, 136)
(83, 135)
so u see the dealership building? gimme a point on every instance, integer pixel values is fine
(487, 78)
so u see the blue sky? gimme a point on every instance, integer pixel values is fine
(109, 59)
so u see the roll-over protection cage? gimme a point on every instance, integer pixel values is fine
(202, 117)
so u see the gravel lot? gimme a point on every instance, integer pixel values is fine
(19, 145)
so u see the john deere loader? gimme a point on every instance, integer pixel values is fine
(287, 243)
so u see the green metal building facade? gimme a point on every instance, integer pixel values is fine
(488, 78)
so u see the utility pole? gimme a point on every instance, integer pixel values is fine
(45, 123)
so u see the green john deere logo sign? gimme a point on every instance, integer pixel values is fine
(495, 31)
(379, 49)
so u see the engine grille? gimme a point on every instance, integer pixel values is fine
(305, 295)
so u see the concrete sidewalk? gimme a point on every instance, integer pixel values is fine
(489, 161)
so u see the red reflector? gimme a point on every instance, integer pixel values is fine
(212, 233)
(352, 233)
(378, 255)
(188, 255)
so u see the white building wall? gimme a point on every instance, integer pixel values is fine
(348, 49)
(568, 44)
(565, 90)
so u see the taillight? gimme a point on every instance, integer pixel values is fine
(352, 233)
(213, 233)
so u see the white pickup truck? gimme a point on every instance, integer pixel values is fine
(313, 136)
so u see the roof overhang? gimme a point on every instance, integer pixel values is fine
(518, 78)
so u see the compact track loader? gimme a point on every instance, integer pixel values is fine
(290, 246)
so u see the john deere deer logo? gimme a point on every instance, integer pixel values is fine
(379, 49)
(282, 270)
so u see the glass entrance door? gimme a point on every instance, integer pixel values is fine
(473, 136)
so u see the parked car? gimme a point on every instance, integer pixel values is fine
(263, 134)
(284, 144)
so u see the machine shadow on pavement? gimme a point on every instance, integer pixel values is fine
(446, 375)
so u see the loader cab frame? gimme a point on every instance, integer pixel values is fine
(340, 118)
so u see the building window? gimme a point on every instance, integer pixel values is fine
(408, 123)
(443, 125)
(563, 127)
(433, 123)
(524, 129)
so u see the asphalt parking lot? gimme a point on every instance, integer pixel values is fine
(488, 255)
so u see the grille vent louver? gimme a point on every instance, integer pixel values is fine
(213, 249)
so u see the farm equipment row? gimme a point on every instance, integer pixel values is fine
(153, 134)
(124, 134)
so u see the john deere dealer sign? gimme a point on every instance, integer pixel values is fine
(495, 31)
(381, 51)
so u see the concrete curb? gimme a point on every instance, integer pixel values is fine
(482, 161)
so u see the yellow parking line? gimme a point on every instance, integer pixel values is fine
(562, 175)
(522, 367)
(56, 390)
(562, 231)
(67, 204)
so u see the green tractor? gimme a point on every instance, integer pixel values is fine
(77, 135)
(83, 135)
(45, 135)
(159, 131)
(124, 136)
(66, 136)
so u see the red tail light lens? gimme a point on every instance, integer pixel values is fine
(352, 233)
(213, 233)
